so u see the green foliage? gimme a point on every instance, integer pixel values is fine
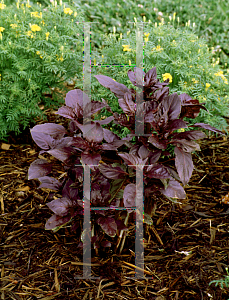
(211, 18)
(174, 52)
(39, 50)
(223, 282)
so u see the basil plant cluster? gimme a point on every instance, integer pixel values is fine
(112, 160)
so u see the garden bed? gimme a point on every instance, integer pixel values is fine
(185, 248)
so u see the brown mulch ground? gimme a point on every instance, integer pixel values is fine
(186, 248)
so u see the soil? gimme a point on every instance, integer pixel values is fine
(185, 249)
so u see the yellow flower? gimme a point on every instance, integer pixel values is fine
(146, 34)
(126, 48)
(2, 29)
(207, 85)
(13, 25)
(158, 48)
(43, 22)
(61, 58)
(181, 130)
(146, 39)
(27, 5)
(2, 6)
(194, 80)
(68, 10)
(75, 14)
(220, 73)
(35, 27)
(35, 14)
(166, 76)
(47, 35)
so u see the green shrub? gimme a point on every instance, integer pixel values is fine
(211, 18)
(179, 53)
(40, 49)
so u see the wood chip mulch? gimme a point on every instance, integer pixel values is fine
(185, 249)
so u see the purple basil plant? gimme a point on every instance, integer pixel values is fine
(113, 160)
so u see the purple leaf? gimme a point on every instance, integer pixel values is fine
(160, 144)
(107, 106)
(75, 97)
(95, 134)
(55, 221)
(173, 173)
(187, 146)
(132, 159)
(127, 104)
(118, 89)
(143, 152)
(172, 105)
(109, 136)
(121, 225)
(60, 206)
(87, 127)
(39, 168)
(184, 164)
(66, 111)
(55, 130)
(207, 127)
(149, 117)
(92, 107)
(78, 142)
(190, 107)
(105, 121)
(150, 77)
(112, 172)
(42, 140)
(157, 171)
(129, 195)
(134, 149)
(175, 124)
(108, 225)
(174, 190)
(154, 156)
(134, 76)
(70, 192)
(112, 146)
(90, 159)
(62, 154)
(49, 183)
(190, 135)
(160, 94)
(61, 143)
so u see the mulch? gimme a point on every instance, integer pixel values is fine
(185, 249)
